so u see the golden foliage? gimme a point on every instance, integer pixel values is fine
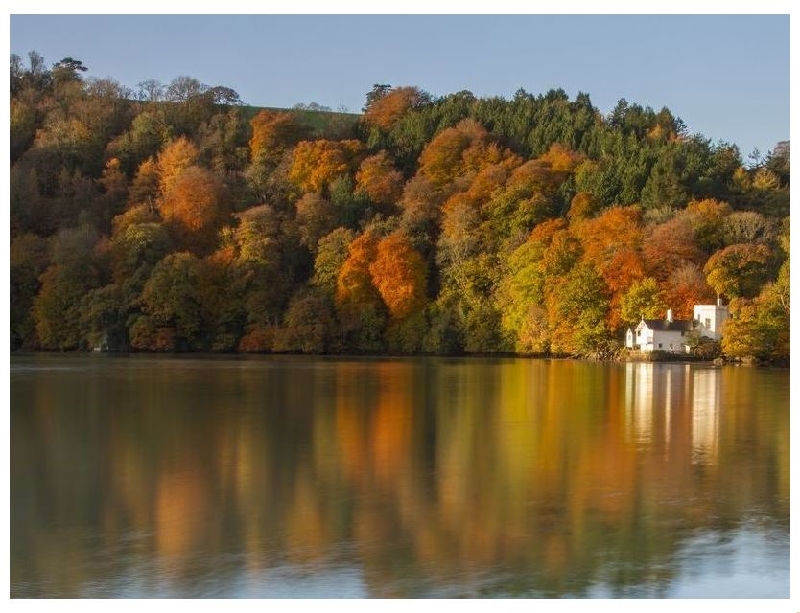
(561, 159)
(354, 288)
(194, 206)
(316, 163)
(379, 180)
(176, 156)
(273, 132)
(583, 205)
(399, 274)
(386, 111)
(765, 180)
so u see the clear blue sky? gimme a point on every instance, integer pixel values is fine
(726, 76)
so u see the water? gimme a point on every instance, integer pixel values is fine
(289, 477)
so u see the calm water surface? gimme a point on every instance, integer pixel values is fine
(143, 476)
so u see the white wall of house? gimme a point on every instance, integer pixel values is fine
(709, 318)
(645, 339)
(666, 340)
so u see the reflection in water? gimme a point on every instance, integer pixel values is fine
(296, 477)
(705, 422)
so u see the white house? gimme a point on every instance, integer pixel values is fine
(708, 319)
(659, 334)
(672, 334)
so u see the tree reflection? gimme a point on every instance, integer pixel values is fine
(432, 477)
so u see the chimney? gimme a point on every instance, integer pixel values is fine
(669, 315)
(719, 300)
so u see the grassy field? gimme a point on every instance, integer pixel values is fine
(324, 123)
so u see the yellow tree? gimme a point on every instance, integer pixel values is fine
(441, 162)
(561, 159)
(145, 185)
(176, 156)
(315, 164)
(706, 218)
(583, 205)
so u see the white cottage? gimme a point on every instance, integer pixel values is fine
(708, 319)
(659, 334)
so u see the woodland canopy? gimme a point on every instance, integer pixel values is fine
(176, 218)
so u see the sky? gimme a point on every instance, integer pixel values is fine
(725, 76)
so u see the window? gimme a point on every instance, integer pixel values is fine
(660, 345)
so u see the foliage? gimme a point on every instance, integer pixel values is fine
(173, 217)
(738, 270)
(315, 164)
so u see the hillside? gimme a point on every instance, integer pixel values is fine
(176, 218)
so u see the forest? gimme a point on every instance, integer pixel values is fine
(175, 217)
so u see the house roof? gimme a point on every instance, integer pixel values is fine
(676, 325)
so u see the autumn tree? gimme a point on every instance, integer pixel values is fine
(399, 274)
(706, 218)
(643, 300)
(76, 268)
(274, 134)
(612, 246)
(583, 205)
(332, 251)
(359, 305)
(521, 296)
(174, 158)
(527, 199)
(685, 287)
(760, 328)
(144, 188)
(421, 214)
(442, 161)
(379, 180)
(746, 227)
(316, 217)
(134, 250)
(386, 106)
(739, 270)
(265, 272)
(309, 324)
(194, 208)
(577, 312)
(315, 164)
(669, 245)
(469, 273)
